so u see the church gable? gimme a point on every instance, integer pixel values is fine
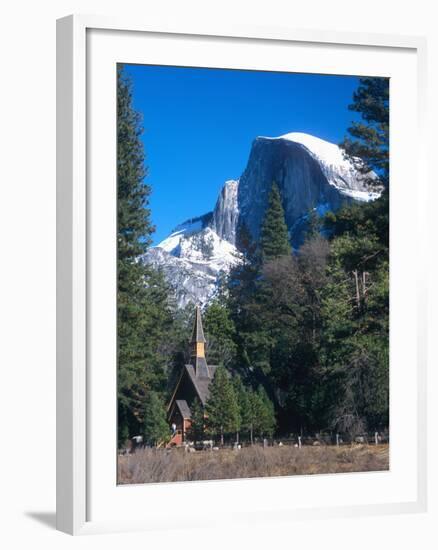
(185, 388)
(201, 383)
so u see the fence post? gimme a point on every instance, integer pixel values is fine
(376, 438)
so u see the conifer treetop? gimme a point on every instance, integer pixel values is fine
(274, 237)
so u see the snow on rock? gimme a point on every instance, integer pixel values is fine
(171, 243)
(361, 195)
(329, 153)
(193, 262)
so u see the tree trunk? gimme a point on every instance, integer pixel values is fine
(251, 435)
(356, 278)
(222, 436)
(364, 285)
(237, 438)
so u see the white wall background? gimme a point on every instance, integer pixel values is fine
(27, 269)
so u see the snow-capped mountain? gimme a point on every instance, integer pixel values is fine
(199, 250)
(311, 174)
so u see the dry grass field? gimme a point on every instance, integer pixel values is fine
(153, 466)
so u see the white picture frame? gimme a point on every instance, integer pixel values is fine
(77, 368)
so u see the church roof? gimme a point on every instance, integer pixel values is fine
(198, 331)
(202, 383)
(198, 372)
(183, 407)
(201, 367)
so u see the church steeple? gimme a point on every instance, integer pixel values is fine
(198, 340)
(197, 346)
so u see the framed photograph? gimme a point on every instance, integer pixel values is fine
(241, 299)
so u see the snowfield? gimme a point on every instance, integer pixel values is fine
(193, 263)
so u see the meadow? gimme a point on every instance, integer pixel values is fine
(165, 465)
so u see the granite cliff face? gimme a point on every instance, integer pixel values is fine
(226, 212)
(312, 174)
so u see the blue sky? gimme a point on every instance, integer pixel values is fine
(200, 123)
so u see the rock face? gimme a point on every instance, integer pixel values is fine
(312, 174)
(226, 212)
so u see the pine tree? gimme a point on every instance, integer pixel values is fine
(258, 413)
(369, 140)
(252, 413)
(221, 408)
(265, 418)
(197, 427)
(255, 414)
(354, 347)
(220, 333)
(244, 397)
(260, 337)
(355, 333)
(133, 215)
(123, 425)
(242, 405)
(242, 285)
(243, 275)
(252, 338)
(313, 225)
(355, 299)
(274, 240)
(155, 427)
(142, 294)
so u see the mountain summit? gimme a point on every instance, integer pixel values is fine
(311, 174)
